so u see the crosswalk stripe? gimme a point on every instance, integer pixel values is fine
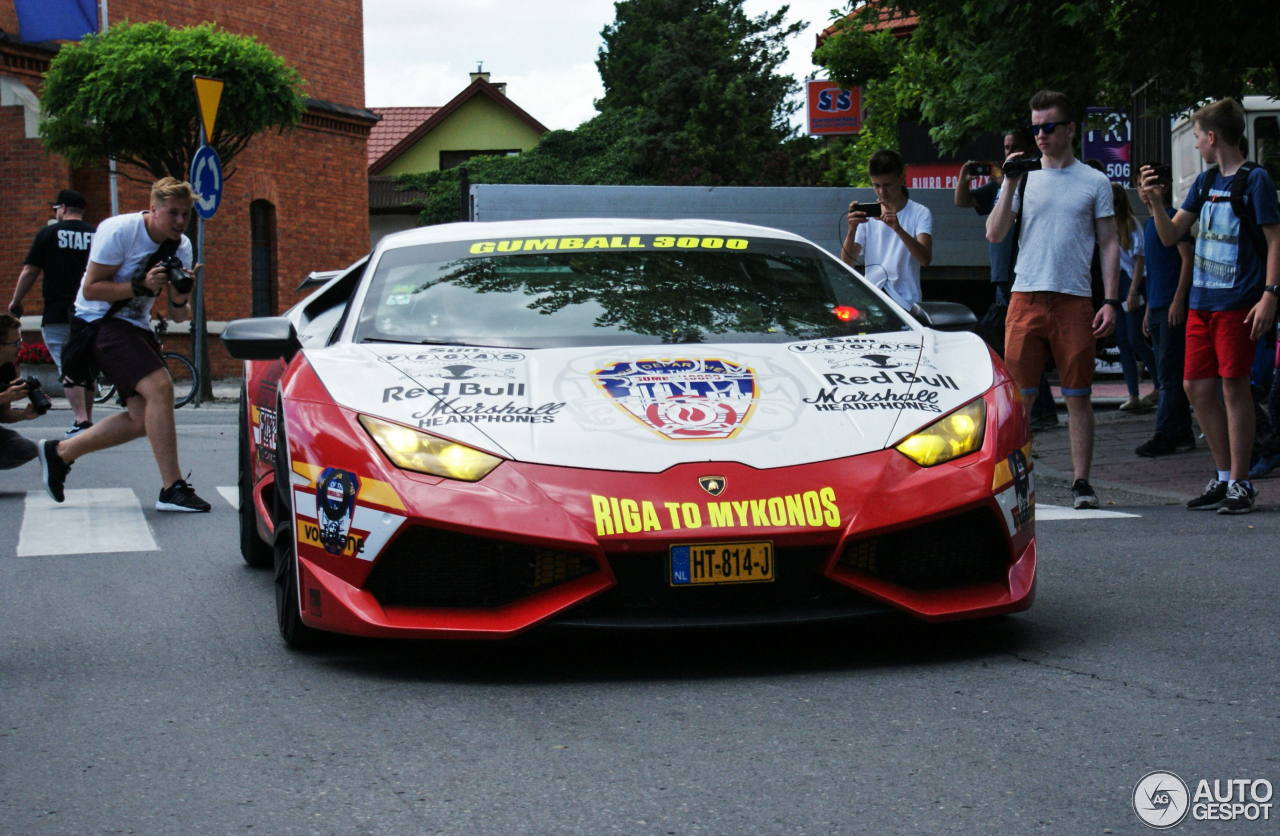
(90, 521)
(1052, 513)
(230, 494)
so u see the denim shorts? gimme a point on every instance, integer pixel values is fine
(55, 336)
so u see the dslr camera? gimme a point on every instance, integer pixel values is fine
(181, 280)
(1021, 165)
(35, 393)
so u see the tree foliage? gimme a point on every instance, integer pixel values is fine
(691, 97)
(128, 94)
(701, 77)
(969, 68)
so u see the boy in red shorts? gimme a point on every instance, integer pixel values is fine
(1234, 291)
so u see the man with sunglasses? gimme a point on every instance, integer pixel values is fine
(61, 252)
(1065, 209)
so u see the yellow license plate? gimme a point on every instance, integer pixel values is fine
(709, 563)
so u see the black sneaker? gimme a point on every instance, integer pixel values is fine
(55, 470)
(1241, 497)
(181, 497)
(1084, 495)
(77, 427)
(1214, 493)
(1160, 445)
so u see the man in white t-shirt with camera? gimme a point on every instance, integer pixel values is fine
(126, 274)
(900, 241)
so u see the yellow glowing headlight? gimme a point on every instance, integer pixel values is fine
(949, 437)
(412, 450)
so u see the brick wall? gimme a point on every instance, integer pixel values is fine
(315, 175)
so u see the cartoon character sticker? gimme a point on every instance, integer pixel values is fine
(682, 399)
(335, 507)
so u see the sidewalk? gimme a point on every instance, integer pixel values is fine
(1173, 479)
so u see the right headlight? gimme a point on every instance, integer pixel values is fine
(950, 437)
(410, 449)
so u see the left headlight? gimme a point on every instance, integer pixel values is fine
(950, 437)
(412, 450)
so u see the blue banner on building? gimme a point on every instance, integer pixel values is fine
(56, 20)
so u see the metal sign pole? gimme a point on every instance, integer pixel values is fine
(111, 163)
(197, 321)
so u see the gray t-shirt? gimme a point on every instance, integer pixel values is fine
(1058, 233)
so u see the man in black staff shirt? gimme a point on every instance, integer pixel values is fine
(61, 251)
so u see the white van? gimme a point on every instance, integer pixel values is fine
(1262, 131)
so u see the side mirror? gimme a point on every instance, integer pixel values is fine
(261, 338)
(941, 316)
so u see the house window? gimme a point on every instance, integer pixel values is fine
(262, 238)
(450, 159)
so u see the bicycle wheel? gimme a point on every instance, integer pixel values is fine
(184, 379)
(106, 389)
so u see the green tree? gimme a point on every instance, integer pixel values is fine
(970, 68)
(128, 94)
(701, 77)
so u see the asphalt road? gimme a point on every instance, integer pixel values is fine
(148, 692)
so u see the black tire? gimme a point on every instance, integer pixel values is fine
(284, 483)
(255, 552)
(183, 374)
(288, 615)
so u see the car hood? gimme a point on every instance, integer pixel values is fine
(648, 408)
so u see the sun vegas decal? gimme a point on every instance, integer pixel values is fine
(457, 363)
(335, 507)
(682, 399)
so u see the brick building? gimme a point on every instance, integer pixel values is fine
(296, 202)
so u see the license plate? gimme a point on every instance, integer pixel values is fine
(712, 563)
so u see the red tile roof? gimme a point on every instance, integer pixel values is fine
(479, 86)
(901, 25)
(396, 124)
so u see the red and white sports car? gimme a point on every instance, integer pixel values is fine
(487, 427)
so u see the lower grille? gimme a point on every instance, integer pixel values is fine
(961, 550)
(429, 567)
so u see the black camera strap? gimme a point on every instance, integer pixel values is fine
(167, 248)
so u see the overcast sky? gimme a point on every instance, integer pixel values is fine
(418, 52)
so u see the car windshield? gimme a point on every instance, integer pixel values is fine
(615, 290)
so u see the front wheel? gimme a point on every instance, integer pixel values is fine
(288, 613)
(254, 551)
(183, 374)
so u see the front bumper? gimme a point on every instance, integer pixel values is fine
(423, 557)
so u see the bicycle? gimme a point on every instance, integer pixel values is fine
(181, 370)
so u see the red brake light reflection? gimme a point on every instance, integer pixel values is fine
(844, 313)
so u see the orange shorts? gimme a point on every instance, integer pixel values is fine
(1041, 324)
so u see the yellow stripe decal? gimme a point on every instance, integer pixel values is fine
(371, 490)
(1002, 475)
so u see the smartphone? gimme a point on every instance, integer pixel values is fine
(980, 170)
(1164, 173)
(871, 210)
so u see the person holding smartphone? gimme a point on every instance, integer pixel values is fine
(900, 241)
(983, 199)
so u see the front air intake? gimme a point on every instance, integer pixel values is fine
(431, 567)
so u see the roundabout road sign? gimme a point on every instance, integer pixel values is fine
(206, 179)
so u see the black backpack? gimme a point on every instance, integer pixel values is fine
(1248, 221)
